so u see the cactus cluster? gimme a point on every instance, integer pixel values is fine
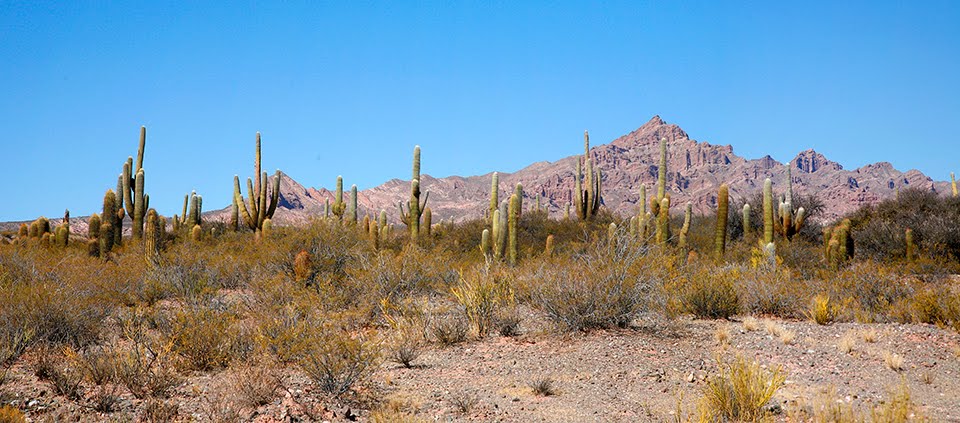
(411, 217)
(586, 193)
(260, 208)
(192, 212)
(500, 240)
(131, 192)
(790, 221)
(838, 244)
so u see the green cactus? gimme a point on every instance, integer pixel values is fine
(260, 207)
(663, 221)
(485, 241)
(373, 232)
(93, 247)
(353, 210)
(93, 226)
(152, 236)
(745, 216)
(494, 196)
(111, 219)
(566, 212)
(767, 211)
(685, 230)
(499, 231)
(953, 184)
(133, 196)
(106, 238)
(518, 190)
(234, 215)
(587, 199)
(196, 234)
(427, 221)
(512, 222)
(911, 247)
(643, 201)
(65, 226)
(827, 235)
(339, 207)
(720, 237)
(790, 222)
(382, 222)
(24, 231)
(662, 171)
(411, 218)
(548, 249)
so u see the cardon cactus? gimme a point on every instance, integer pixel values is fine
(662, 171)
(499, 231)
(196, 234)
(339, 207)
(411, 216)
(260, 207)
(767, 211)
(485, 242)
(352, 212)
(134, 197)
(790, 222)
(24, 231)
(548, 249)
(612, 234)
(747, 225)
(512, 224)
(427, 221)
(93, 226)
(110, 222)
(106, 238)
(720, 236)
(152, 236)
(685, 230)
(494, 196)
(663, 221)
(234, 215)
(586, 193)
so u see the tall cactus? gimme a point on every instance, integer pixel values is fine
(790, 222)
(110, 222)
(415, 208)
(153, 236)
(720, 237)
(911, 249)
(512, 223)
(352, 213)
(494, 196)
(685, 229)
(663, 221)
(499, 231)
(953, 184)
(662, 171)
(745, 216)
(134, 198)
(587, 199)
(260, 208)
(339, 207)
(427, 221)
(767, 211)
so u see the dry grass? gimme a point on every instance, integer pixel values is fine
(751, 324)
(892, 360)
(464, 403)
(722, 335)
(740, 391)
(788, 337)
(847, 343)
(822, 310)
(870, 336)
(543, 386)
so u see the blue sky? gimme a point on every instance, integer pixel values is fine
(350, 87)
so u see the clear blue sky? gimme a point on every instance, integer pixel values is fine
(350, 87)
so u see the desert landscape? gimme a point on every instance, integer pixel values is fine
(447, 211)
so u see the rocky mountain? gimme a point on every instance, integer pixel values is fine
(695, 170)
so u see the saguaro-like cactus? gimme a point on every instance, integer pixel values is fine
(720, 237)
(514, 217)
(352, 213)
(499, 231)
(260, 208)
(414, 212)
(767, 211)
(586, 193)
(485, 242)
(339, 207)
(911, 248)
(133, 195)
(110, 222)
(428, 221)
(494, 196)
(548, 249)
(662, 171)
(152, 236)
(663, 221)
(234, 216)
(687, 216)
(790, 221)
(747, 226)
(63, 231)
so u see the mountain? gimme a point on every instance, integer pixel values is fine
(695, 171)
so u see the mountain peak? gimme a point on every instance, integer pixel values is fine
(650, 133)
(810, 161)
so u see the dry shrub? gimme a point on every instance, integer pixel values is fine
(254, 384)
(740, 391)
(405, 348)
(892, 360)
(898, 407)
(543, 386)
(847, 343)
(879, 229)
(607, 286)
(286, 317)
(204, 335)
(871, 288)
(710, 294)
(337, 361)
(821, 310)
(11, 414)
(53, 364)
(144, 363)
(158, 411)
(482, 295)
(771, 292)
(449, 329)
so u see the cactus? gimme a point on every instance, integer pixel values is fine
(720, 237)
(662, 171)
(111, 219)
(485, 241)
(415, 208)
(566, 212)
(24, 231)
(152, 236)
(767, 211)
(234, 216)
(133, 197)
(267, 229)
(953, 184)
(911, 248)
(499, 231)
(548, 249)
(587, 199)
(687, 216)
(512, 221)
(518, 190)
(827, 235)
(260, 208)
(427, 221)
(93, 226)
(790, 222)
(196, 234)
(338, 208)
(494, 196)
(747, 227)
(374, 233)
(382, 222)
(663, 221)
(352, 212)
(841, 246)
(106, 238)
(642, 202)
(612, 233)
(63, 232)
(93, 247)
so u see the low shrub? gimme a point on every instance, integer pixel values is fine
(710, 294)
(740, 391)
(337, 361)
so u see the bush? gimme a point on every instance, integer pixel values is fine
(710, 294)
(482, 295)
(203, 335)
(879, 229)
(338, 361)
(740, 391)
(606, 287)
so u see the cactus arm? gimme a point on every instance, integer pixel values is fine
(662, 170)
(237, 198)
(143, 143)
(275, 195)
